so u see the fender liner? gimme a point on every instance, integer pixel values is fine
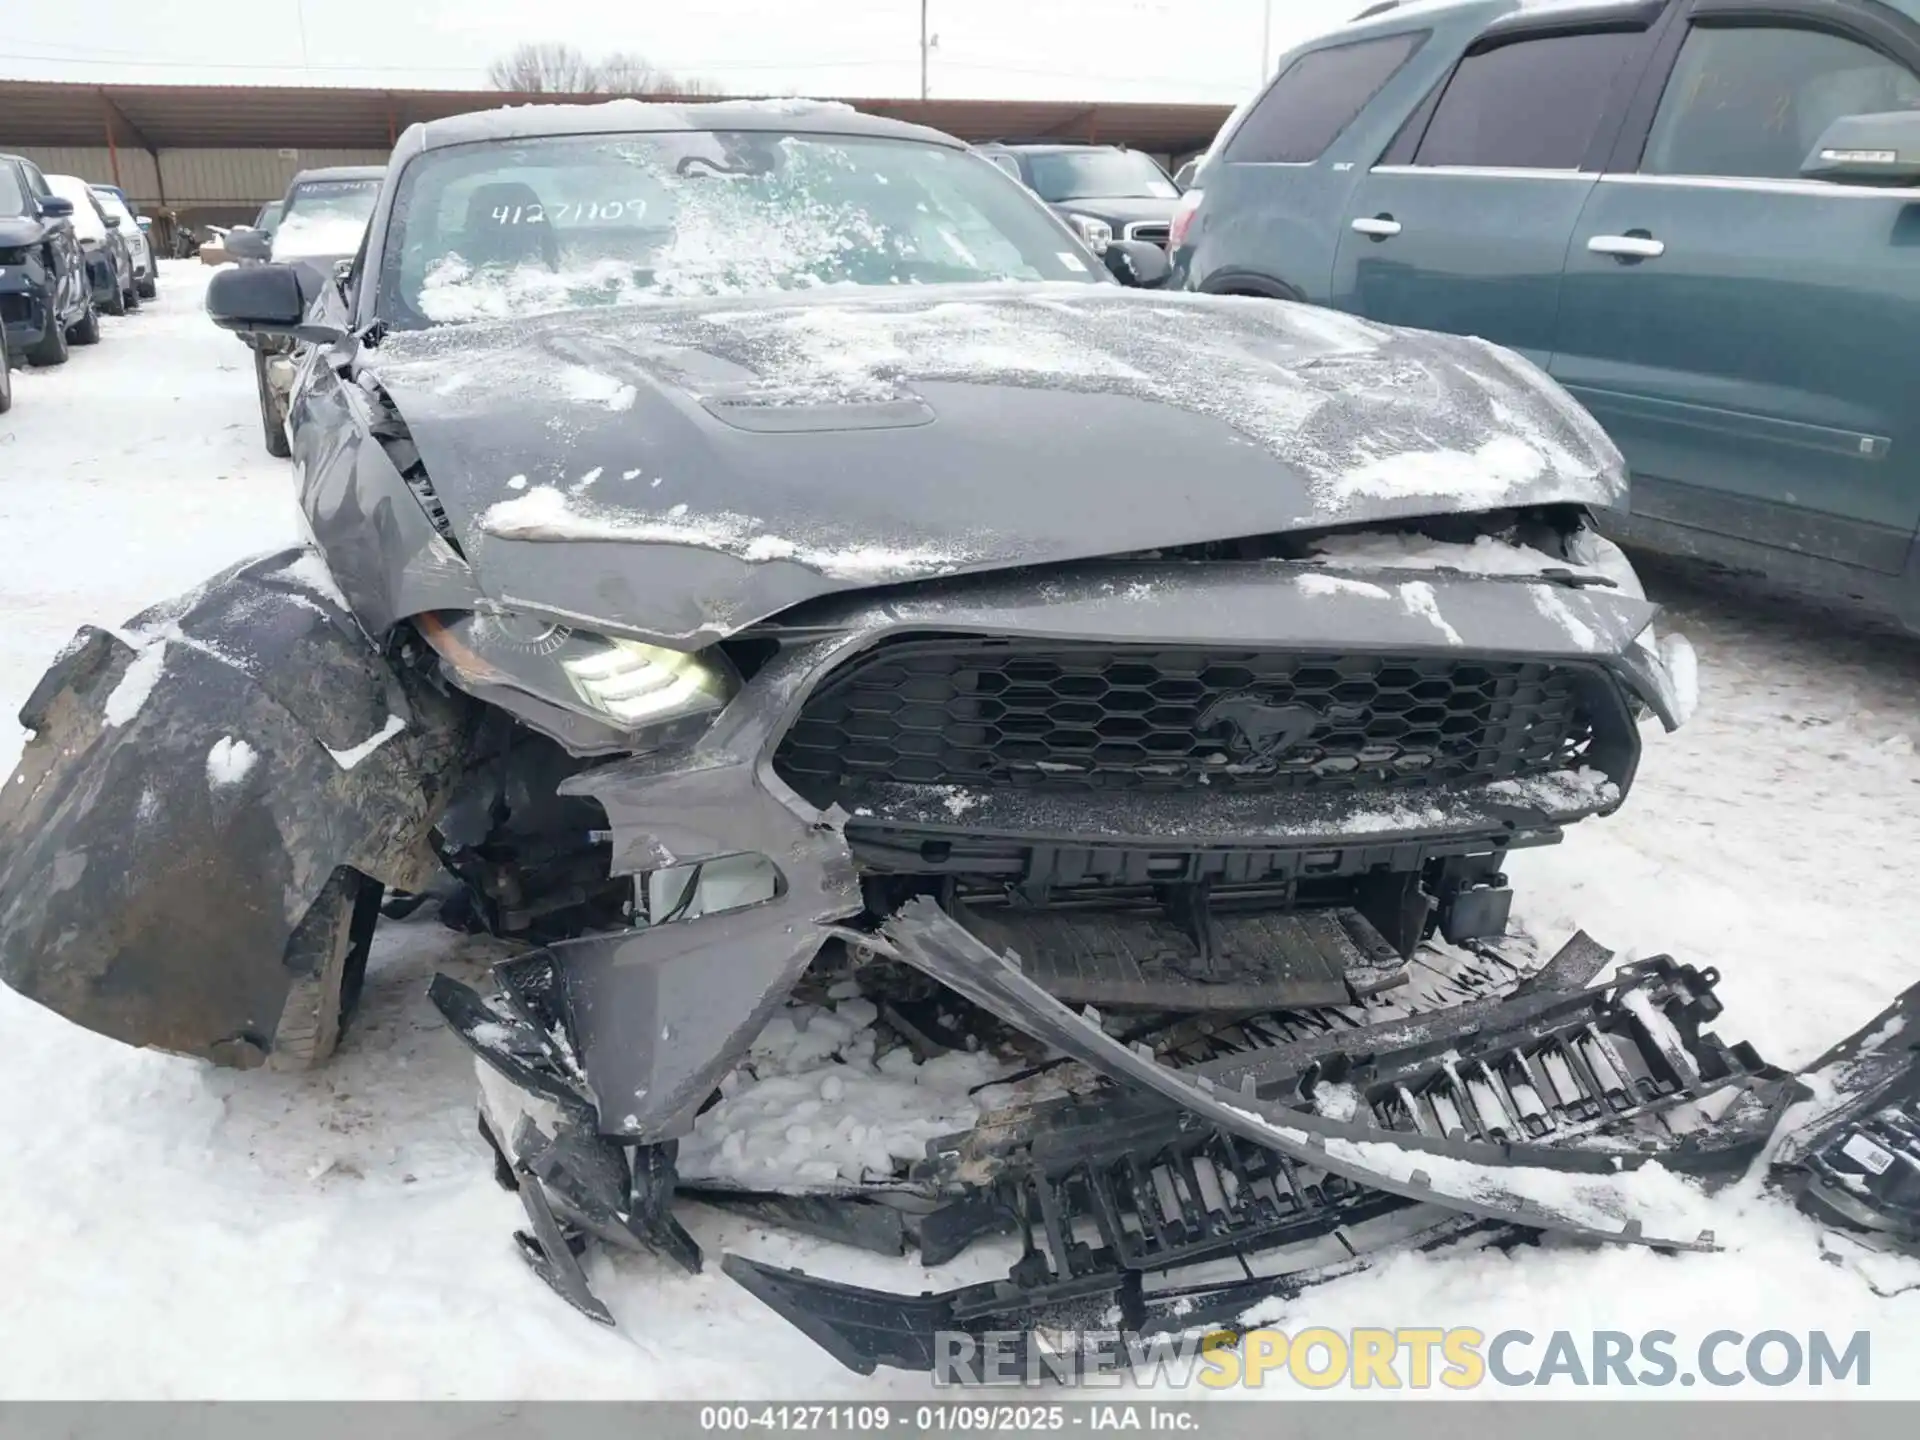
(191, 785)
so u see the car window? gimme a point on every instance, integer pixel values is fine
(1529, 104)
(13, 194)
(36, 182)
(88, 221)
(1112, 174)
(324, 218)
(1754, 101)
(496, 229)
(110, 203)
(1316, 97)
(1007, 163)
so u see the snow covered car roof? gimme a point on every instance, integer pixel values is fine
(516, 122)
(337, 172)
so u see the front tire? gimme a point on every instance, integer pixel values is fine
(87, 332)
(328, 955)
(118, 304)
(273, 429)
(149, 287)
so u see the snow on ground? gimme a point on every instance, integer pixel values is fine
(171, 1230)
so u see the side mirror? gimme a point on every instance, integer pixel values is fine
(249, 244)
(55, 208)
(113, 222)
(1868, 150)
(1138, 263)
(269, 299)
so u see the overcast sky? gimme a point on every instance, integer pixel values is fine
(1034, 49)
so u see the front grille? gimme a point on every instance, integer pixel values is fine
(1155, 232)
(1055, 716)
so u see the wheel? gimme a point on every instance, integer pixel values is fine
(130, 298)
(118, 304)
(6, 378)
(328, 957)
(274, 431)
(87, 332)
(150, 286)
(52, 349)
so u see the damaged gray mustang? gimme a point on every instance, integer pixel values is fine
(766, 566)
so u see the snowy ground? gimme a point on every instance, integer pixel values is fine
(174, 1231)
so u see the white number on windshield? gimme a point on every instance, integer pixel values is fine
(568, 212)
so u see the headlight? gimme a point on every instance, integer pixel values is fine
(634, 696)
(639, 684)
(1097, 233)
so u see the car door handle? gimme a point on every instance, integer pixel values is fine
(1627, 247)
(1377, 226)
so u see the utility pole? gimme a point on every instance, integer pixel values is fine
(923, 49)
(1266, 38)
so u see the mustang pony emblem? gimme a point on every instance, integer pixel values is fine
(1257, 728)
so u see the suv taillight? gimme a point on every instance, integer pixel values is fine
(1182, 220)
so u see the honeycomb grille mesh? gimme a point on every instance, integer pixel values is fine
(1060, 716)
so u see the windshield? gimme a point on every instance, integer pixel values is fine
(88, 223)
(1104, 174)
(324, 218)
(490, 230)
(13, 196)
(110, 203)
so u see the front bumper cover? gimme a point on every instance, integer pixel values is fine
(652, 1028)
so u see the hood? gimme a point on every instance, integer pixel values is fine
(18, 230)
(1118, 211)
(683, 470)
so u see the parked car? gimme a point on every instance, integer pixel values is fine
(1103, 191)
(146, 264)
(1700, 217)
(109, 264)
(46, 298)
(320, 222)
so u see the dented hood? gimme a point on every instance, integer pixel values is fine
(683, 470)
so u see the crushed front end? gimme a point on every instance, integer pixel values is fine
(1213, 807)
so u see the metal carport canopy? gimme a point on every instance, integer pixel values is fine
(167, 117)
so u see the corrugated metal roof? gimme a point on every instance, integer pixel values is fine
(35, 112)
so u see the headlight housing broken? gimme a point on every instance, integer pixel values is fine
(594, 693)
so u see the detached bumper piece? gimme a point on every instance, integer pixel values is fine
(574, 1182)
(1140, 1214)
(1856, 1164)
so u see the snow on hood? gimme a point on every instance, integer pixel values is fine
(833, 440)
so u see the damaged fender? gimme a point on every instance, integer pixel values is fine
(191, 786)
